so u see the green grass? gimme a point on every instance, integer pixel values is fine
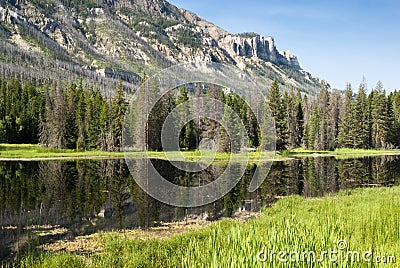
(34, 151)
(209, 155)
(345, 151)
(367, 219)
(342, 152)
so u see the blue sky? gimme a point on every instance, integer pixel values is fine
(339, 41)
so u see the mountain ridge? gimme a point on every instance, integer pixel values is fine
(105, 41)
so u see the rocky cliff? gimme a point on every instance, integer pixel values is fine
(112, 39)
(259, 47)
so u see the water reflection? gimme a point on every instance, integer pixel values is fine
(82, 197)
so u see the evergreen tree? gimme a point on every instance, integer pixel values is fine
(379, 113)
(80, 117)
(307, 114)
(105, 125)
(252, 128)
(275, 102)
(3, 101)
(118, 110)
(55, 124)
(347, 125)
(76, 116)
(94, 107)
(291, 110)
(313, 129)
(187, 136)
(299, 121)
(333, 119)
(395, 99)
(391, 124)
(232, 141)
(322, 139)
(157, 117)
(71, 133)
(362, 119)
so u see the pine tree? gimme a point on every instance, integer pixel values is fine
(252, 128)
(186, 136)
(162, 108)
(395, 99)
(118, 110)
(155, 120)
(275, 102)
(307, 115)
(362, 119)
(105, 125)
(347, 125)
(71, 134)
(233, 122)
(94, 106)
(391, 124)
(299, 120)
(291, 109)
(380, 128)
(322, 139)
(224, 142)
(313, 129)
(53, 129)
(80, 117)
(333, 119)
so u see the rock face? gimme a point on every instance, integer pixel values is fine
(259, 47)
(122, 39)
(154, 7)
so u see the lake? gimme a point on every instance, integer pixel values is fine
(64, 199)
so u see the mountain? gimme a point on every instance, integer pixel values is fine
(104, 41)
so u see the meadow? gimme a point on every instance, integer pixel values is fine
(35, 151)
(355, 228)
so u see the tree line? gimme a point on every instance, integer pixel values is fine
(21, 112)
(70, 116)
(78, 116)
(337, 119)
(194, 130)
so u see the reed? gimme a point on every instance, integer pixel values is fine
(366, 219)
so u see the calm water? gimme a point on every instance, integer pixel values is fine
(87, 196)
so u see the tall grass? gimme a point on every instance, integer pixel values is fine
(367, 219)
(32, 151)
(345, 151)
(35, 151)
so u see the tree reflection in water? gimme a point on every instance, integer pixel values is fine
(86, 196)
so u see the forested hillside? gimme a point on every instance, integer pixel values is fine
(108, 41)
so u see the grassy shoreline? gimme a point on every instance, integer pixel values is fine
(368, 220)
(35, 152)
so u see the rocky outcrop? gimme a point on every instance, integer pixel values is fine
(9, 16)
(118, 74)
(153, 7)
(122, 38)
(259, 47)
(214, 31)
(291, 59)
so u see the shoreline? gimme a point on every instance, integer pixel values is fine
(33, 152)
(166, 230)
(365, 214)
